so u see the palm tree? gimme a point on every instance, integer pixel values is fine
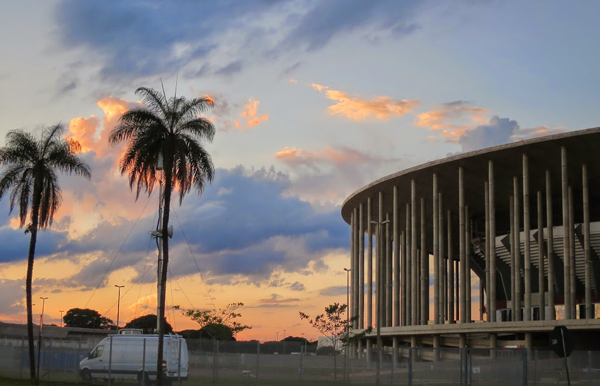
(29, 172)
(169, 129)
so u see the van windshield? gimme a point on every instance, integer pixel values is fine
(97, 352)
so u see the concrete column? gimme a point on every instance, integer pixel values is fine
(424, 270)
(481, 297)
(441, 253)
(396, 237)
(413, 341)
(572, 289)
(369, 349)
(369, 264)
(354, 273)
(462, 341)
(450, 272)
(492, 285)
(395, 351)
(467, 266)
(527, 235)
(528, 343)
(353, 254)
(517, 234)
(493, 345)
(586, 244)
(436, 348)
(403, 295)
(361, 267)
(380, 259)
(511, 209)
(360, 350)
(456, 290)
(550, 247)
(436, 255)
(565, 215)
(413, 254)
(541, 249)
(388, 272)
(486, 193)
(461, 246)
(406, 298)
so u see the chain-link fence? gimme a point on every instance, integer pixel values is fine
(252, 363)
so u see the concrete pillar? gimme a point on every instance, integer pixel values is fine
(424, 303)
(369, 264)
(355, 273)
(518, 261)
(493, 345)
(529, 343)
(436, 348)
(396, 281)
(413, 254)
(565, 215)
(511, 209)
(468, 282)
(388, 272)
(461, 246)
(368, 357)
(541, 250)
(407, 265)
(456, 290)
(486, 193)
(353, 253)
(450, 272)
(527, 235)
(586, 243)
(380, 260)
(462, 341)
(572, 289)
(550, 247)
(413, 341)
(436, 255)
(360, 350)
(395, 352)
(441, 253)
(361, 267)
(492, 285)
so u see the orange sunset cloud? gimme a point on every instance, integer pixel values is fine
(250, 114)
(293, 156)
(452, 119)
(356, 108)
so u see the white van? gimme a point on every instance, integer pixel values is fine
(129, 361)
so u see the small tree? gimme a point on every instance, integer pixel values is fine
(86, 318)
(224, 316)
(148, 324)
(332, 325)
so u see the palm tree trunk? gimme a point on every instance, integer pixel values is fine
(163, 278)
(28, 284)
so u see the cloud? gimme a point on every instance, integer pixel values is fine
(277, 300)
(356, 108)
(452, 119)
(333, 291)
(497, 132)
(250, 115)
(537, 131)
(329, 175)
(140, 39)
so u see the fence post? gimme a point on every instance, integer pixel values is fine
(110, 362)
(410, 366)
(525, 367)
(257, 359)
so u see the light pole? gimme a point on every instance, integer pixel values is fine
(118, 304)
(61, 319)
(277, 347)
(284, 342)
(348, 270)
(380, 289)
(40, 339)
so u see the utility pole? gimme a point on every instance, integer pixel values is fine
(118, 304)
(61, 318)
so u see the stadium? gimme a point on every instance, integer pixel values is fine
(487, 249)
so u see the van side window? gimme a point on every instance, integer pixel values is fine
(97, 352)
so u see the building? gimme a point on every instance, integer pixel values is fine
(486, 225)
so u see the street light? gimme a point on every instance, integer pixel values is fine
(61, 319)
(284, 342)
(118, 304)
(277, 340)
(379, 293)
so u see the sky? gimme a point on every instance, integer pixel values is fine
(312, 100)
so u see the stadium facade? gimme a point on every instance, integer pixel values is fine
(517, 226)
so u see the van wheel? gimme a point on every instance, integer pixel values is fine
(85, 375)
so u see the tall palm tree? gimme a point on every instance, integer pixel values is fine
(30, 168)
(170, 129)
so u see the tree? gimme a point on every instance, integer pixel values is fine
(30, 167)
(170, 130)
(212, 321)
(148, 324)
(332, 325)
(86, 318)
